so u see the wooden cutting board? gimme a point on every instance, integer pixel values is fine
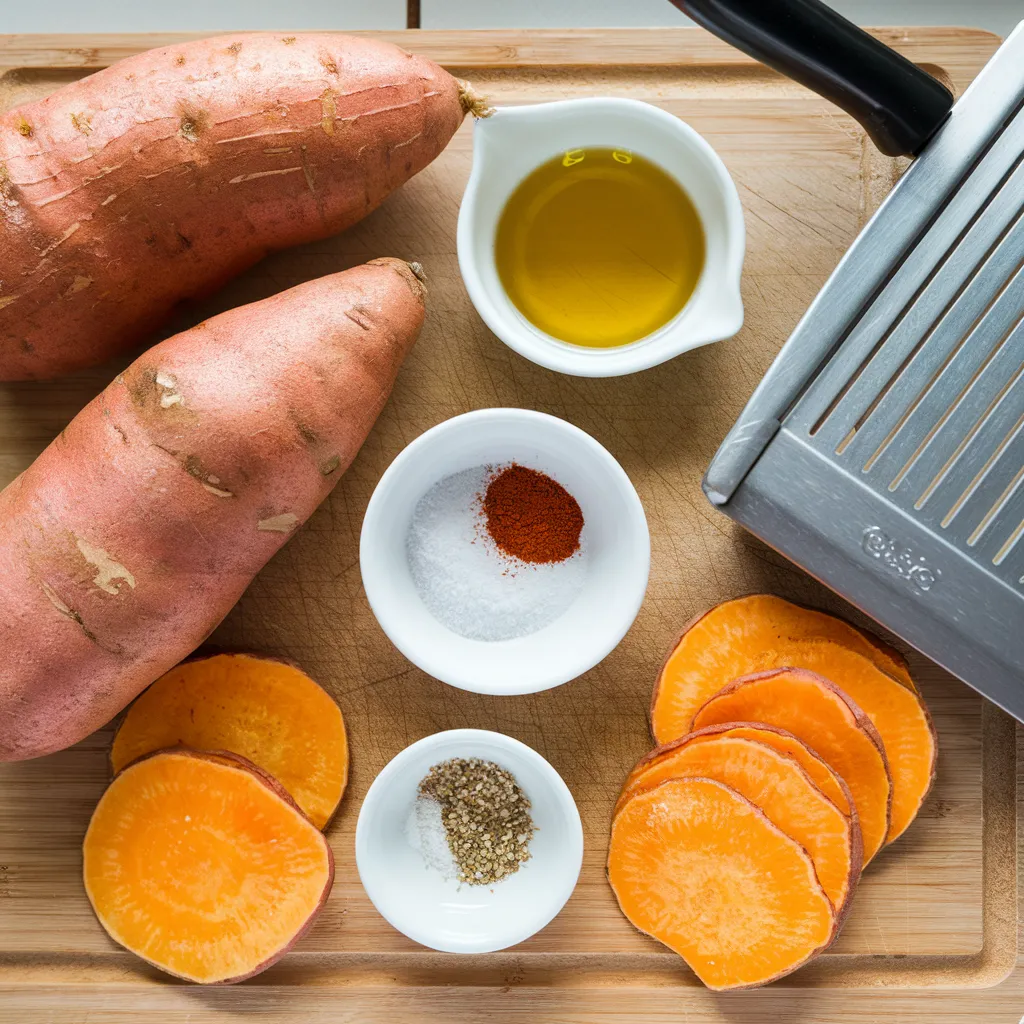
(933, 933)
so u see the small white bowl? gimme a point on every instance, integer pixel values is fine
(514, 141)
(618, 551)
(443, 914)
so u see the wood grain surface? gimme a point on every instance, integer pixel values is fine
(938, 911)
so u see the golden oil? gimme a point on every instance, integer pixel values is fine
(599, 247)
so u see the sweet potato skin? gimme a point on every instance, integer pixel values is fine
(134, 533)
(159, 178)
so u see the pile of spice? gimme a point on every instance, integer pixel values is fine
(497, 552)
(485, 815)
(532, 517)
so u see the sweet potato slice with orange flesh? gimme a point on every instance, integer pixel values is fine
(701, 869)
(829, 722)
(900, 716)
(797, 622)
(822, 774)
(718, 647)
(777, 785)
(203, 866)
(263, 709)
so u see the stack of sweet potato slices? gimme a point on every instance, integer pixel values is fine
(792, 746)
(206, 856)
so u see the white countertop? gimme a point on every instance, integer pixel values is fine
(225, 15)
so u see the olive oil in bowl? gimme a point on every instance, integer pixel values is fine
(599, 247)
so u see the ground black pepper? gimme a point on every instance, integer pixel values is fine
(486, 817)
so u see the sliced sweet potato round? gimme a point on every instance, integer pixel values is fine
(701, 869)
(900, 716)
(263, 709)
(778, 786)
(820, 714)
(202, 865)
(823, 775)
(719, 646)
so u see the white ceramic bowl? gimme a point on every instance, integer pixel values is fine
(440, 913)
(615, 535)
(515, 140)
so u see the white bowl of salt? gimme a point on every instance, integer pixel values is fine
(407, 868)
(462, 609)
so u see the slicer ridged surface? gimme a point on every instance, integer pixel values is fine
(924, 398)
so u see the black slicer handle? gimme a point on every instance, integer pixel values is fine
(899, 105)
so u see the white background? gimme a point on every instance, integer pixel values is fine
(216, 15)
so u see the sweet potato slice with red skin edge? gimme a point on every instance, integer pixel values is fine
(818, 712)
(242, 861)
(776, 784)
(720, 645)
(898, 667)
(264, 709)
(841, 631)
(826, 778)
(901, 718)
(701, 869)
(823, 775)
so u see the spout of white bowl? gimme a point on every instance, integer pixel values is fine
(490, 135)
(725, 317)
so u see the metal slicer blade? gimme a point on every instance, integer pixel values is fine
(884, 449)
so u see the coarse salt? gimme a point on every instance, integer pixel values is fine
(467, 583)
(425, 833)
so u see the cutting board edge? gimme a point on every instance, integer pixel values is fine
(963, 48)
(989, 967)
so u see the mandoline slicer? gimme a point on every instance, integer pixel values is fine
(884, 450)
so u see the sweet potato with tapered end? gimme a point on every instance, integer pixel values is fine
(131, 537)
(159, 178)
(821, 773)
(817, 712)
(701, 869)
(264, 709)
(778, 786)
(720, 646)
(203, 866)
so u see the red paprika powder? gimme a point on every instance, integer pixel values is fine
(532, 517)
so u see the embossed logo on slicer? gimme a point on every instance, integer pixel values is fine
(900, 559)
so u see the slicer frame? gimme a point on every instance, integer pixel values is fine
(884, 450)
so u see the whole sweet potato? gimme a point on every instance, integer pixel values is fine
(162, 176)
(129, 539)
